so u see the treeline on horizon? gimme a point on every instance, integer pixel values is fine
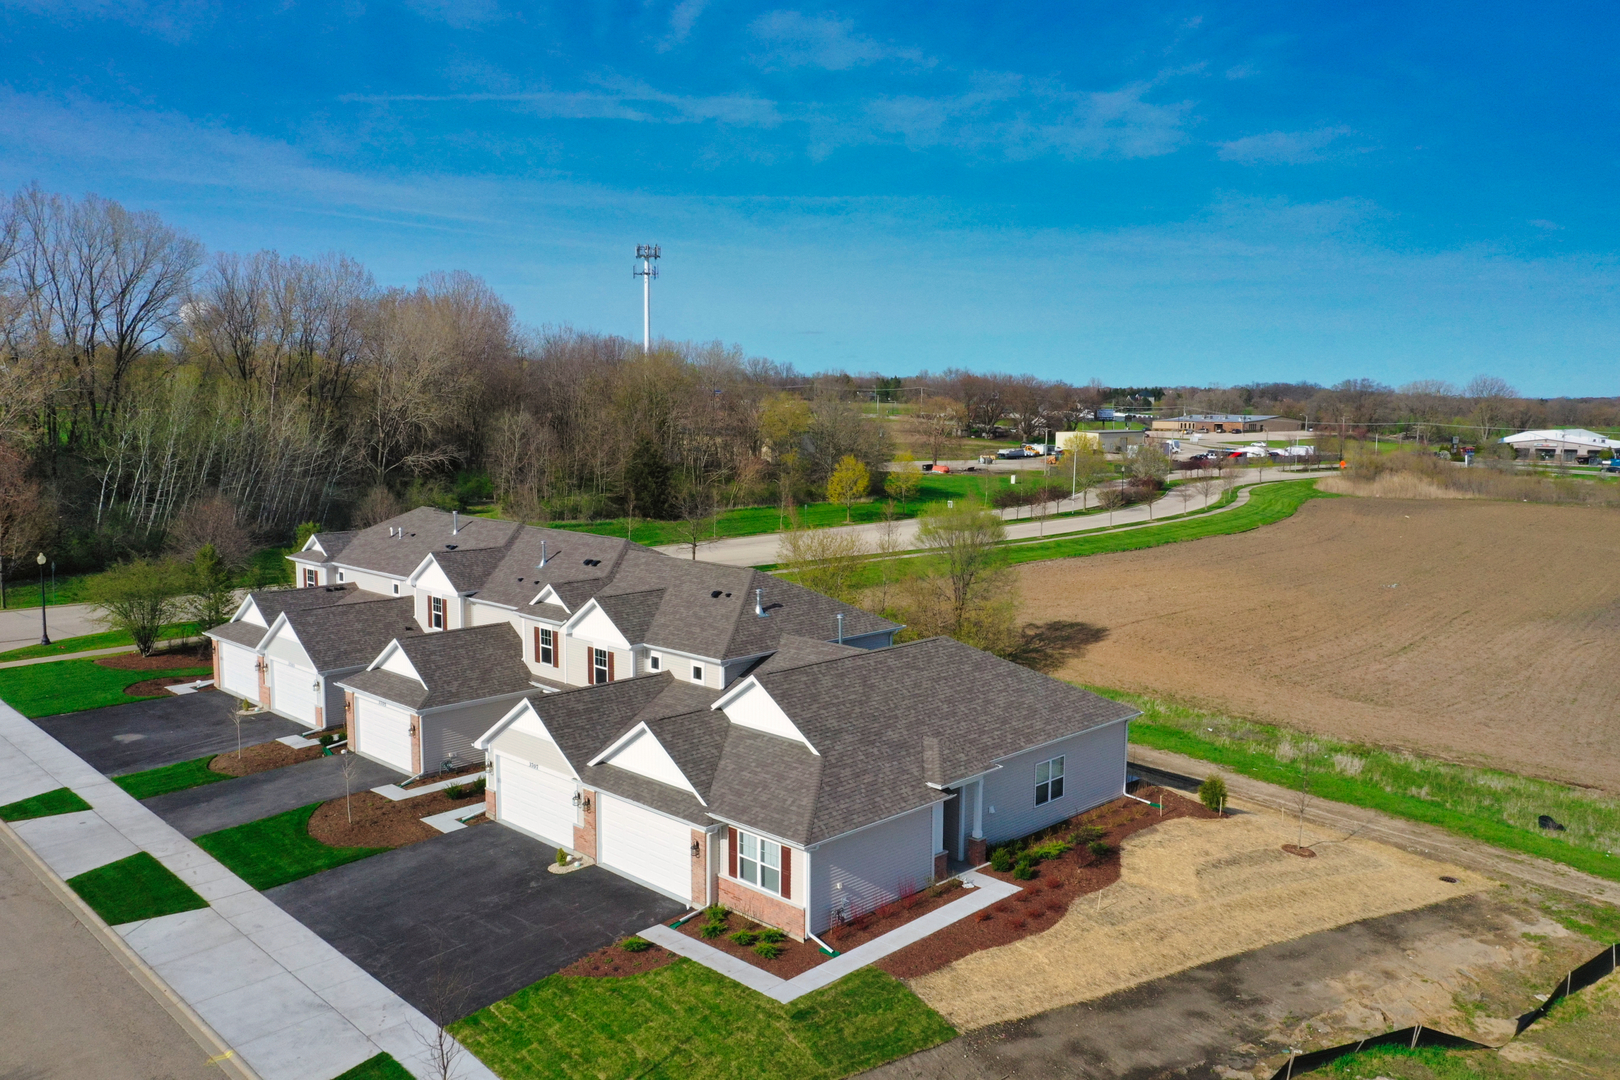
(155, 396)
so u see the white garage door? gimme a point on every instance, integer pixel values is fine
(292, 692)
(534, 800)
(383, 732)
(239, 671)
(646, 846)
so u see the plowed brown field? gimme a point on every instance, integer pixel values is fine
(1479, 632)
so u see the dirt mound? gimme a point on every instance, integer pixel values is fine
(380, 822)
(1474, 631)
(261, 758)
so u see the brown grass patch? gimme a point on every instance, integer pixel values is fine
(261, 757)
(380, 822)
(158, 661)
(153, 687)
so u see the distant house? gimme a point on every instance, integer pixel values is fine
(1562, 444)
(1224, 423)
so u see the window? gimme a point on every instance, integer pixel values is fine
(396, 588)
(601, 667)
(435, 613)
(697, 672)
(759, 861)
(340, 575)
(1049, 781)
(545, 646)
(312, 578)
(653, 660)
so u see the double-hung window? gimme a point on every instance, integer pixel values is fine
(435, 613)
(312, 577)
(545, 646)
(1049, 781)
(601, 671)
(759, 861)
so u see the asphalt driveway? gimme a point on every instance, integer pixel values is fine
(145, 734)
(474, 907)
(220, 805)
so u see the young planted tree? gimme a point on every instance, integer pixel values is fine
(848, 484)
(1088, 467)
(965, 590)
(1150, 466)
(699, 517)
(140, 598)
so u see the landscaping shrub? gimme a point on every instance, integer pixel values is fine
(743, 937)
(1086, 834)
(1212, 793)
(983, 916)
(1051, 849)
(1024, 871)
(772, 935)
(562, 857)
(635, 944)
(770, 950)
(465, 791)
(1099, 849)
(712, 929)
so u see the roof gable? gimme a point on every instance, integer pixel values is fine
(750, 705)
(430, 577)
(593, 623)
(640, 752)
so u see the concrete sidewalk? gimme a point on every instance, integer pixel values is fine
(289, 1005)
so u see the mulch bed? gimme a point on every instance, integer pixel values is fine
(434, 778)
(1302, 852)
(610, 961)
(797, 956)
(886, 918)
(1045, 898)
(158, 661)
(153, 687)
(261, 758)
(380, 822)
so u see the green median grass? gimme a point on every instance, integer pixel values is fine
(71, 685)
(685, 1021)
(51, 803)
(1497, 808)
(138, 887)
(112, 639)
(166, 778)
(275, 850)
(381, 1067)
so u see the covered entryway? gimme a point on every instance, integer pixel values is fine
(238, 671)
(535, 800)
(293, 692)
(645, 846)
(383, 733)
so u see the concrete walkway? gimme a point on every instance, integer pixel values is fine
(764, 549)
(985, 891)
(288, 1005)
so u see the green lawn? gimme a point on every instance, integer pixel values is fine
(275, 850)
(70, 685)
(60, 801)
(381, 1067)
(685, 1021)
(112, 639)
(167, 778)
(138, 887)
(1495, 807)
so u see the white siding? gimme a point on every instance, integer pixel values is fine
(1093, 773)
(489, 615)
(642, 753)
(754, 708)
(875, 866)
(374, 583)
(286, 647)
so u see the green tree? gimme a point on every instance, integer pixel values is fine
(139, 597)
(849, 483)
(212, 600)
(1212, 793)
(1150, 466)
(648, 480)
(1088, 466)
(903, 480)
(824, 560)
(965, 589)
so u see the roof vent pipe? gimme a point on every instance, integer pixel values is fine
(759, 603)
(840, 628)
(455, 522)
(542, 565)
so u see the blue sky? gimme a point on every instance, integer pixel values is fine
(1188, 193)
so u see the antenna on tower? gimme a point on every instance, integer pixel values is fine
(648, 254)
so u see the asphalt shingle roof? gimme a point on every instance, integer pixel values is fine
(242, 633)
(351, 635)
(457, 665)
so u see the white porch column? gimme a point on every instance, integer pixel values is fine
(978, 809)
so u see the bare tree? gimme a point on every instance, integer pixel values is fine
(350, 764)
(444, 1002)
(1490, 397)
(825, 560)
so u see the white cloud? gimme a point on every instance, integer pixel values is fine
(1281, 147)
(1549, 226)
(619, 99)
(681, 21)
(794, 39)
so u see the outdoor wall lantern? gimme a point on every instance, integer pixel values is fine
(581, 802)
(696, 850)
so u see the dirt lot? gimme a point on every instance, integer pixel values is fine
(1478, 632)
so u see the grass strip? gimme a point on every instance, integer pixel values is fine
(51, 803)
(1497, 808)
(685, 1021)
(138, 887)
(166, 778)
(275, 850)
(381, 1067)
(111, 639)
(72, 685)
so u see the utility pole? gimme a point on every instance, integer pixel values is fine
(648, 254)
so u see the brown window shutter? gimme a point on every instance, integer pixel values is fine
(733, 833)
(590, 666)
(787, 872)
(537, 644)
(556, 648)
(610, 667)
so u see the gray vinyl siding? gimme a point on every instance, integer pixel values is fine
(872, 867)
(452, 732)
(332, 702)
(879, 640)
(1093, 773)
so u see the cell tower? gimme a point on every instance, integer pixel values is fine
(648, 254)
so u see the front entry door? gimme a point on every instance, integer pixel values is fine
(953, 824)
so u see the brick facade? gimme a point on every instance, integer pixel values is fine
(219, 675)
(976, 852)
(264, 684)
(700, 869)
(942, 866)
(348, 716)
(585, 835)
(770, 910)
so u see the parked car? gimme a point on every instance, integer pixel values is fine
(1011, 452)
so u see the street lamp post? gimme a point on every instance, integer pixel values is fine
(44, 634)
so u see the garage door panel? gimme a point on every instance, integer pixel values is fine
(239, 671)
(383, 732)
(645, 845)
(535, 800)
(292, 692)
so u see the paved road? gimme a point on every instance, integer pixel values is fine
(145, 734)
(764, 549)
(20, 626)
(222, 805)
(68, 1009)
(475, 907)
